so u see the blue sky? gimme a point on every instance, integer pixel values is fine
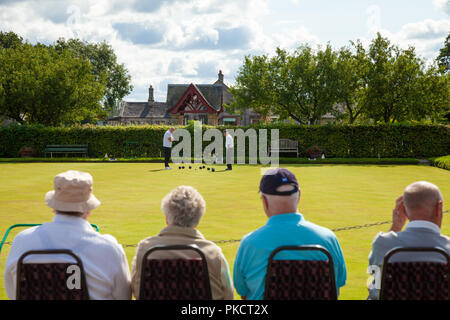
(184, 41)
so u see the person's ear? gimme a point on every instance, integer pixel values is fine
(86, 215)
(265, 203)
(438, 212)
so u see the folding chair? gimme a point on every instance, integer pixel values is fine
(417, 280)
(27, 225)
(175, 279)
(50, 281)
(300, 279)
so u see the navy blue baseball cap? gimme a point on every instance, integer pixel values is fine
(275, 178)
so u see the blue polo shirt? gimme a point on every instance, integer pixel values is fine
(255, 248)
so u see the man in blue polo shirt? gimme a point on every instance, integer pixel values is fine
(280, 195)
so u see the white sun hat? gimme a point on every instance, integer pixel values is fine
(73, 193)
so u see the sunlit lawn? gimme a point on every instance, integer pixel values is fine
(332, 195)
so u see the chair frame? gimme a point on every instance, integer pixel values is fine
(51, 252)
(409, 249)
(301, 248)
(192, 247)
(27, 225)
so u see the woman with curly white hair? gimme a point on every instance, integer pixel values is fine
(183, 208)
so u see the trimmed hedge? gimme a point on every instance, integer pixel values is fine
(376, 141)
(100, 140)
(286, 161)
(337, 141)
(441, 162)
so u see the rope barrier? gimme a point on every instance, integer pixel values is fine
(367, 225)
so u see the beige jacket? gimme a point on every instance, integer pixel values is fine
(219, 273)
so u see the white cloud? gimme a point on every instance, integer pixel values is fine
(426, 30)
(426, 36)
(443, 5)
(183, 41)
(373, 19)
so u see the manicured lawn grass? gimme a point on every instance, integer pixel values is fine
(332, 195)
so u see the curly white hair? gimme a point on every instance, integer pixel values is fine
(184, 206)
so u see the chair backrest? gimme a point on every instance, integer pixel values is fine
(300, 279)
(175, 279)
(415, 280)
(51, 281)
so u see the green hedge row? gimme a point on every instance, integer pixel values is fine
(385, 141)
(100, 140)
(283, 161)
(441, 162)
(378, 141)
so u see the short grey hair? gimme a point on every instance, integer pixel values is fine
(421, 195)
(183, 206)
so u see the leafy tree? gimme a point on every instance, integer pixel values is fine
(435, 95)
(382, 83)
(10, 40)
(444, 55)
(253, 89)
(351, 70)
(301, 86)
(393, 83)
(104, 65)
(444, 62)
(306, 83)
(41, 85)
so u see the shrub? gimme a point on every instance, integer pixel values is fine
(442, 162)
(339, 141)
(314, 152)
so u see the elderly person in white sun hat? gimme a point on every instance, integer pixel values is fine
(104, 260)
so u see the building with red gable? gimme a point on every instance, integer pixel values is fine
(202, 102)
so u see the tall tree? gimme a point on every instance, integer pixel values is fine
(393, 83)
(351, 70)
(444, 55)
(301, 86)
(10, 40)
(253, 88)
(435, 95)
(104, 64)
(41, 85)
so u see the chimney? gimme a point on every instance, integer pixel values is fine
(220, 76)
(150, 94)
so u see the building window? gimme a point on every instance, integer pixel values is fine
(203, 118)
(229, 121)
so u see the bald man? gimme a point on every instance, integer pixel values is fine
(421, 204)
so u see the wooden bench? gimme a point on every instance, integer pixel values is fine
(286, 145)
(66, 149)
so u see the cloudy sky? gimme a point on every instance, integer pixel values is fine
(184, 41)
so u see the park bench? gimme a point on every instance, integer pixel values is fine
(286, 145)
(66, 149)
